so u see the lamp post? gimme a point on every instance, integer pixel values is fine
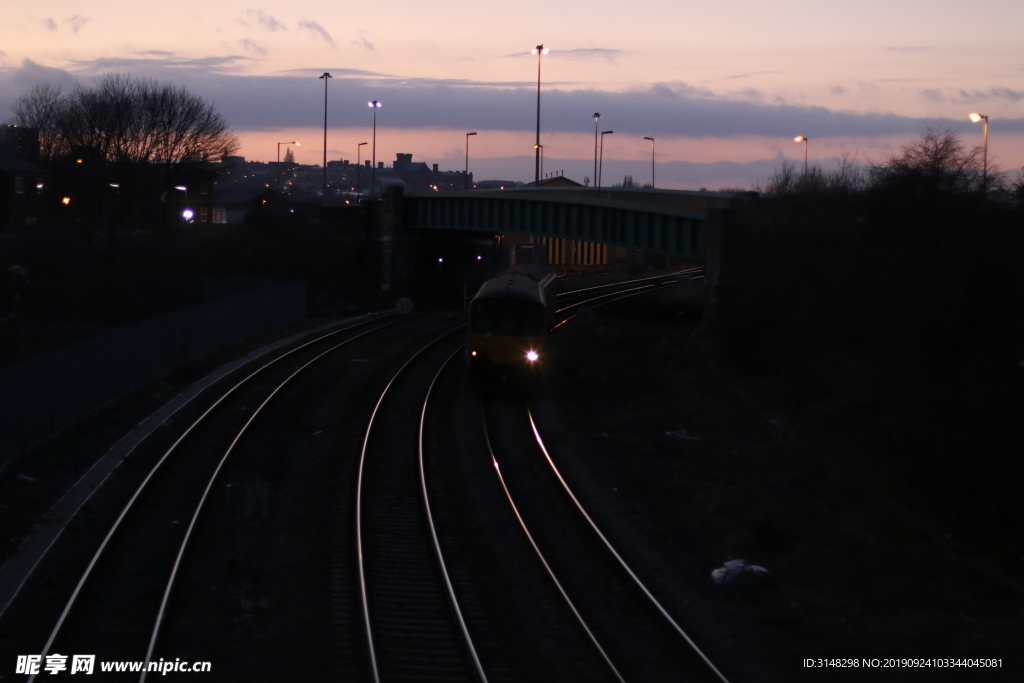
(375, 105)
(359, 170)
(325, 78)
(540, 148)
(539, 50)
(600, 166)
(652, 160)
(467, 158)
(975, 118)
(293, 142)
(803, 139)
(596, 118)
(185, 214)
(117, 204)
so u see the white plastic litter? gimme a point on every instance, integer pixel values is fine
(739, 573)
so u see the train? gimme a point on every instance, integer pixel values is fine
(509, 321)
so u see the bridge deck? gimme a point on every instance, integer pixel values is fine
(657, 220)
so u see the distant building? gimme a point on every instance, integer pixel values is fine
(234, 204)
(24, 141)
(555, 181)
(345, 180)
(23, 189)
(495, 184)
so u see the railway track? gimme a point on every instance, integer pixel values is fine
(121, 604)
(336, 515)
(573, 301)
(629, 629)
(414, 625)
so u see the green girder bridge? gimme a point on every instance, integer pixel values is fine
(667, 221)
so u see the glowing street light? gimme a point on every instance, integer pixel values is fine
(375, 105)
(539, 50)
(359, 169)
(975, 118)
(652, 160)
(467, 158)
(600, 166)
(325, 78)
(803, 139)
(597, 117)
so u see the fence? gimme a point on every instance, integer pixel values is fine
(49, 392)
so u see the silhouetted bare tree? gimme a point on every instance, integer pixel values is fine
(126, 120)
(790, 179)
(938, 163)
(133, 134)
(40, 109)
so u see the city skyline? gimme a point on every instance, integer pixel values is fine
(726, 84)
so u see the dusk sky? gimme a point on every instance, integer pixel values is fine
(723, 87)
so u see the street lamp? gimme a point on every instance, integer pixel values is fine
(325, 78)
(540, 148)
(467, 158)
(187, 213)
(803, 139)
(375, 105)
(117, 204)
(600, 166)
(359, 170)
(652, 160)
(975, 118)
(293, 142)
(539, 50)
(596, 117)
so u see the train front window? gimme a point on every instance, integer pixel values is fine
(507, 317)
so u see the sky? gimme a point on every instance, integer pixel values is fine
(722, 87)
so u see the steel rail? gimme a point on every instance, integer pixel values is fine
(138, 492)
(359, 501)
(209, 487)
(543, 560)
(609, 298)
(688, 271)
(638, 290)
(433, 529)
(617, 556)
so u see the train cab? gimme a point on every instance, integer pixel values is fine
(509, 319)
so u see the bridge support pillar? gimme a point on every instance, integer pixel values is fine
(395, 244)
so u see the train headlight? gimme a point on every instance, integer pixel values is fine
(532, 356)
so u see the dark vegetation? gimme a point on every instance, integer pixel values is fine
(65, 288)
(116, 150)
(118, 251)
(878, 316)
